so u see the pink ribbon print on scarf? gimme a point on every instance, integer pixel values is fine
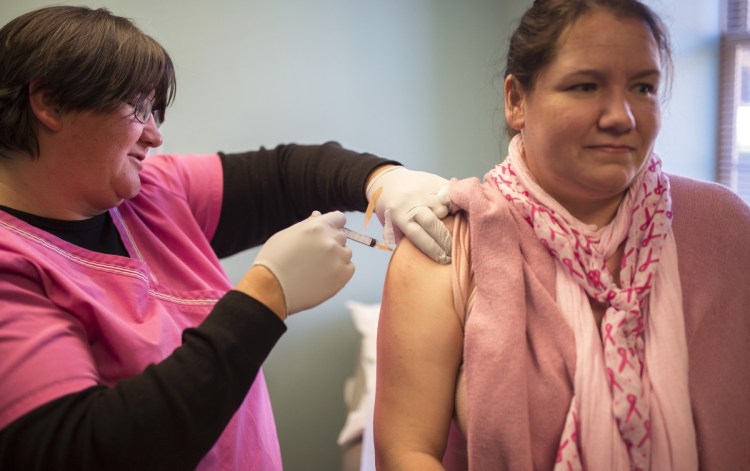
(622, 328)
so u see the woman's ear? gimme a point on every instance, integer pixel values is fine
(45, 110)
(514, 103)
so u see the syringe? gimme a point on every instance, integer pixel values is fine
(365, 239)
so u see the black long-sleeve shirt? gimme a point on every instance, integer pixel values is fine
(171, 414)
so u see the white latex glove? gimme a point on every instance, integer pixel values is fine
(412, 205)
(310, 260)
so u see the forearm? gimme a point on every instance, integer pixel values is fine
(168, 417)
(268, 190)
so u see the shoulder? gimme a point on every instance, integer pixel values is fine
(408, 261)
(414, 280)
(711, 226)
(699, 194)
(474, 195)
(707, 205)
(180, 187)
(173, 172)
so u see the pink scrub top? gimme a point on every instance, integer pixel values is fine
(71, 318)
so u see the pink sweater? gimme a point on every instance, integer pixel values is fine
(519, 353)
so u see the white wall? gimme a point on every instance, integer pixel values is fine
(688, 141)
(410, 80)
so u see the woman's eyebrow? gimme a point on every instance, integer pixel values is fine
(648, 73)
(599, 74)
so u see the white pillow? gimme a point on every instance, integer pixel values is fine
(359, 389)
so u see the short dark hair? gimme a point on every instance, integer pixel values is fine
(533, 43)
(86, 59)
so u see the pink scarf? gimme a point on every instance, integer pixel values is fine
(631, 406)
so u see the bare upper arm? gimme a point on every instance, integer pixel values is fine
(420, 343)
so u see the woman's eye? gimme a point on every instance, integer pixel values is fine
(584, 87)
(646, 88)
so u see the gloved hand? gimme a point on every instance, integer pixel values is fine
(412, 204)
(310, 260)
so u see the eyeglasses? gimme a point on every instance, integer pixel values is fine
(144, 109)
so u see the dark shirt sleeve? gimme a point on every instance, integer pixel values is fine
(170, 415)
(270, 189)
(166, 418)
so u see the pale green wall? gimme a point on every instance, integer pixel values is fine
(410, 80)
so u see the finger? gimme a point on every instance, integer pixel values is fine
(340, 238)
(440, 210)
(335, 219)
(425, 243)
(345, 266)
(347, 274)
(346, 255)
(437, 204)
(339, 250)
(444, 196)
(435, 229)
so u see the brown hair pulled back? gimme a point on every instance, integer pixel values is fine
(533, 43)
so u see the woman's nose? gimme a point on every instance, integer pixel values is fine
(151, 134)
(617, 114)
